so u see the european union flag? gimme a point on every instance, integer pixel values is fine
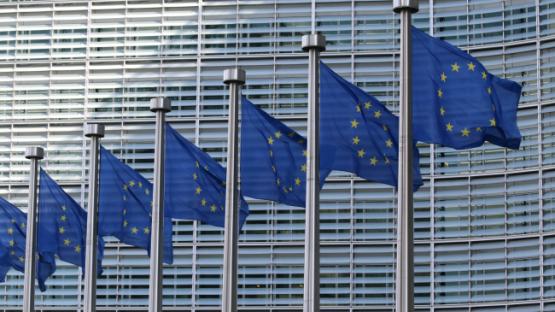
(195, 183)
(359, 132)
(61, 229)
(125, 204)
(12, 238)
(456, 102)
(273, 158)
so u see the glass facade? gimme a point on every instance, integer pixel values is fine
(484, 219)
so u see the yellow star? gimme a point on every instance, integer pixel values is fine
(357, 108)
(278, 181)
(197, 164)
(440, 93)
(131, 183)
(146, 230)
(492, 122)
(274, 168)
(305, 153)
(13, 221)
(389, 143)
(367, 105)
(213, 208)
(203, 202)
(134, 230)
(61, 230)
(195, 176)
(22, 225)
(284, 189)
(77, 248)
(124, 212)
(471, 66)
(354, 124)
(449, 127)
(63, 218)
(386, 160)
(290, 189)
(12, 243)
(385, 128)
(489, 90)
(377, 114)
(198, 190)
(465, 132)
(303, 168)
(124, 188)
(479, 129)
(12, 252)
(271, 153)
(455, 67)
(443, 77)
(125, 223)
(361, 153)
(21, 259)
(147, 191)
(298, 181)
(442, 111)
(373, 161)
(10, 231)
(484, 75)
(356, 140)
(67, 242)
(63, 207)
(277, 134)
(270, 140)
(140, 184)
(124, 198)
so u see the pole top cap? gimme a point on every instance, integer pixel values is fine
(160, 104)
(34, 152)
(400, 5)
(314, 41)
(234, 75)
(93, 130)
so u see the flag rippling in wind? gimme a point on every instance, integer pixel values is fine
(195, 183)
(125, 204)
(273, 158)
(61, 229)
(359, 132)
(456, 102)
(12, 238)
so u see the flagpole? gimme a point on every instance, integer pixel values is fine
(34, 154)
(95, 132)
(160, 106)
(314, 44)
(404, 275)
(234, 77)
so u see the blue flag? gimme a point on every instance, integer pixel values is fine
(195, 183)
(12, 238)
(125, 204)
(61, 229)
(359, 132)
(456, 102)
(273, 158)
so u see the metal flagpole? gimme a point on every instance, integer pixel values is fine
(404, 275)
(314, 44)
(234, 77)
(160, 106)
(34, 154)
(95, 132)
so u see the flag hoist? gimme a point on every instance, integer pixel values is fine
(314, 44)
(234, 77)
(404, 274)
(160, 106)
(34, 154)
(95, 132)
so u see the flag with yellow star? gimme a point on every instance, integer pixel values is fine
(273, 158)
(195, 183)
(61, 229)
(359, 133)
(125, 205)
(456, 101)
(13, 223)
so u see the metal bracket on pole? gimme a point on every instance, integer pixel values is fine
(95, 132)
(160, 106)
(314, 44)
(34, 154)
(235, 78)
(404, 271)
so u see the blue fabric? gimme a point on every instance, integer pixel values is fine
(456, 102)
(195, 183)
(12, 238)
(273, 158)
(61, 229)
(358, 132)
(124, 210)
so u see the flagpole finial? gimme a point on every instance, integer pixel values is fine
(234, 75)
(314, 41)
(160, 104)
(400, 5)
(34, 152)
(94, 130)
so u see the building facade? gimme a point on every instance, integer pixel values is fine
(484, 219)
